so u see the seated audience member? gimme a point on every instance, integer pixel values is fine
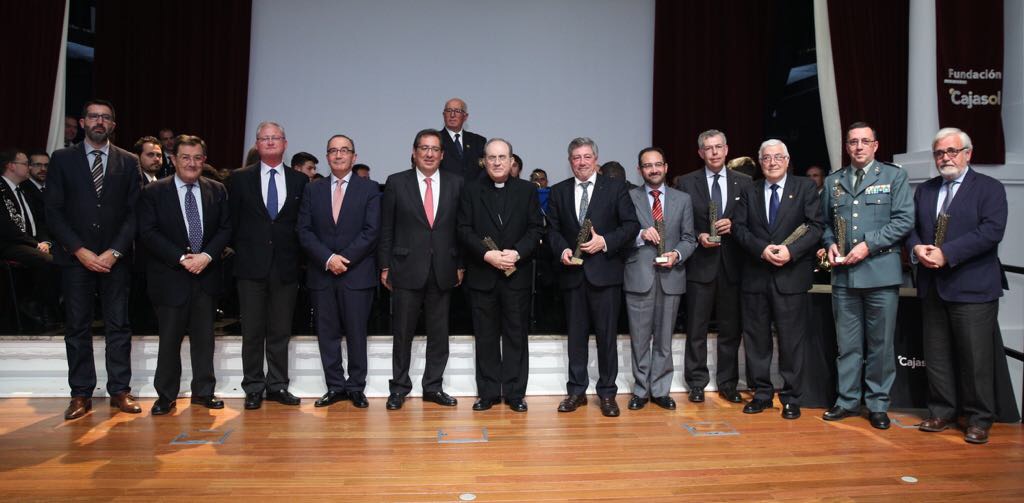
(71, 130)
(305, 163)
(38, 166)
(517, 166)
(362, 170)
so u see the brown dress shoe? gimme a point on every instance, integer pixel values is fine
(935, 424)
(78, 407)
(126, 402)
(976, 435)
(572, 402)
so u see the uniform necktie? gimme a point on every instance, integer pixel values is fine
(656, 211)
(272, 195)
(716, 195)
(195, 224)
(337, 198)
(773, 206)
(458, 144)
(950, 184)
(584, 202)
(428, 202)
(857, 178)
(97, 171)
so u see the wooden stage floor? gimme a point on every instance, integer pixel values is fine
(425, 452)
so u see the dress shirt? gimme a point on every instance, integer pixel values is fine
(26, 211)
(91, 158)
(578, 193)
(461, 133)
(768, 195)
(435, 187)
(197, 193)
(650, 204)
(710, 177)
(334, 186)
(282, 187)
(943, 189)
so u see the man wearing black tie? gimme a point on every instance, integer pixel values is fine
(184, 224)
(505, 212)
(777, 274)
(463, 150)
(265, 200)
(91, 192)
(22, 237)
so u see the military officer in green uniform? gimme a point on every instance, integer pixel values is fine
(876, 203)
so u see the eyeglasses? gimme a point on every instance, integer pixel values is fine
(428, 148)
(198, 159)
(268, 139)
(951, 152)
(777, 157)
(650, 165)
(20, 162)
(853, 142)
(454, 111)
(99, 117)
(40, 165)
(342, 150)
(497, 158)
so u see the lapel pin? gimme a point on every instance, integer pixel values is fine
(791, 196)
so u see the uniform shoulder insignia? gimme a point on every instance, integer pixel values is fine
(892, 164)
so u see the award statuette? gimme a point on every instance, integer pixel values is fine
(492, 246)
(793, 236)
(582, 237)
(941, 224)
(659, 225)
(712, 218)
(839, 225)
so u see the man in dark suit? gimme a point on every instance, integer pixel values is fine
(265, 199)
(90, 212)
(463, 150)
(713, 272)
(38, 167)
(777, 274)
(593, 290)
(23, 238)
(140, 308)
(339, 224)
(42, 300)
(504, 210)
(151, 155)
(960, 279)
(184, 224)
(420, 262)
(167, 151)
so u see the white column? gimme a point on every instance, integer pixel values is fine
(827, 86)
(922, 94)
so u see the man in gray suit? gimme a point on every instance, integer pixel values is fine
(655, 281)
(875, 200)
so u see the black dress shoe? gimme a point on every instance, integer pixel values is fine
(161, 407)
(572, 402)
(665, 402)
(395, 401)
(935, 424)
(756, 406)
(731, 395)
(636, 403)
(836, 413)
(697, 395)
(283, 397)
(210, 402)
(976, 435)
(608, 407)
(485, 403)
(253, 401)
(359, 399)
(517, 405)
(879, 420)
(790, 411)
(440, 398)
(331, 397)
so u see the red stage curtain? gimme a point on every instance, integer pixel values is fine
(182, 65)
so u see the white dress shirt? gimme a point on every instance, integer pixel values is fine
(943, 189)
(578, 193)
(710, 178)
(91, 157)
(282, 188)
(768, 195)
(26, 210)
(435, 187)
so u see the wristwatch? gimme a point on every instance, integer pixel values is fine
(116, 253)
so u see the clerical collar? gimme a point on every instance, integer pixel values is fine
(499, 185)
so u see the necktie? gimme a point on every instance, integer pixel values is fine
(950, 184)
(857, 178)
(26, 222)
(773, 206)
(458, 144)
(97, 171)
(428, 203)
(272, 195)
(716, 195)
(337, 198)
(584, 202)
(656, 211)
(195, 224)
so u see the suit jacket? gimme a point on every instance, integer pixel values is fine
(678, 217)
(165, 236)
(36, 201)
(880, 214)
(259, 242)
(703, 265)
(11, 232)
(613, 216)
(520, 228)
(798, 205)
(409, 247)
(353, 237)
(468, 164)
(977, 221)
(76, 217)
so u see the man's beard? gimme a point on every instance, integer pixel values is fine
(97, 137)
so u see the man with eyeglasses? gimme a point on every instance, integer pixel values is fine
(778, 271)
(874, 199)
(713, 272)
(339, 224)
(420, 263)
(463, 150)
(265, 200)
(655, 278)
(91, 192)
(960, 281)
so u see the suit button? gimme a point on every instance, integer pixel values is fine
(854, 215)
(270, 242)
(854, 240)
(854, 227)
(99, 205)
(856, 201)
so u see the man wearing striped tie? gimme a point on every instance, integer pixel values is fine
(90, 204)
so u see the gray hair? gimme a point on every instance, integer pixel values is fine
(965, 140)
(502, 140)
(582, 141)
(772, 143)
(708, 134)
(268, 124)
(465, 106)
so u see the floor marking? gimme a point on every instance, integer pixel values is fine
(183, 438)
